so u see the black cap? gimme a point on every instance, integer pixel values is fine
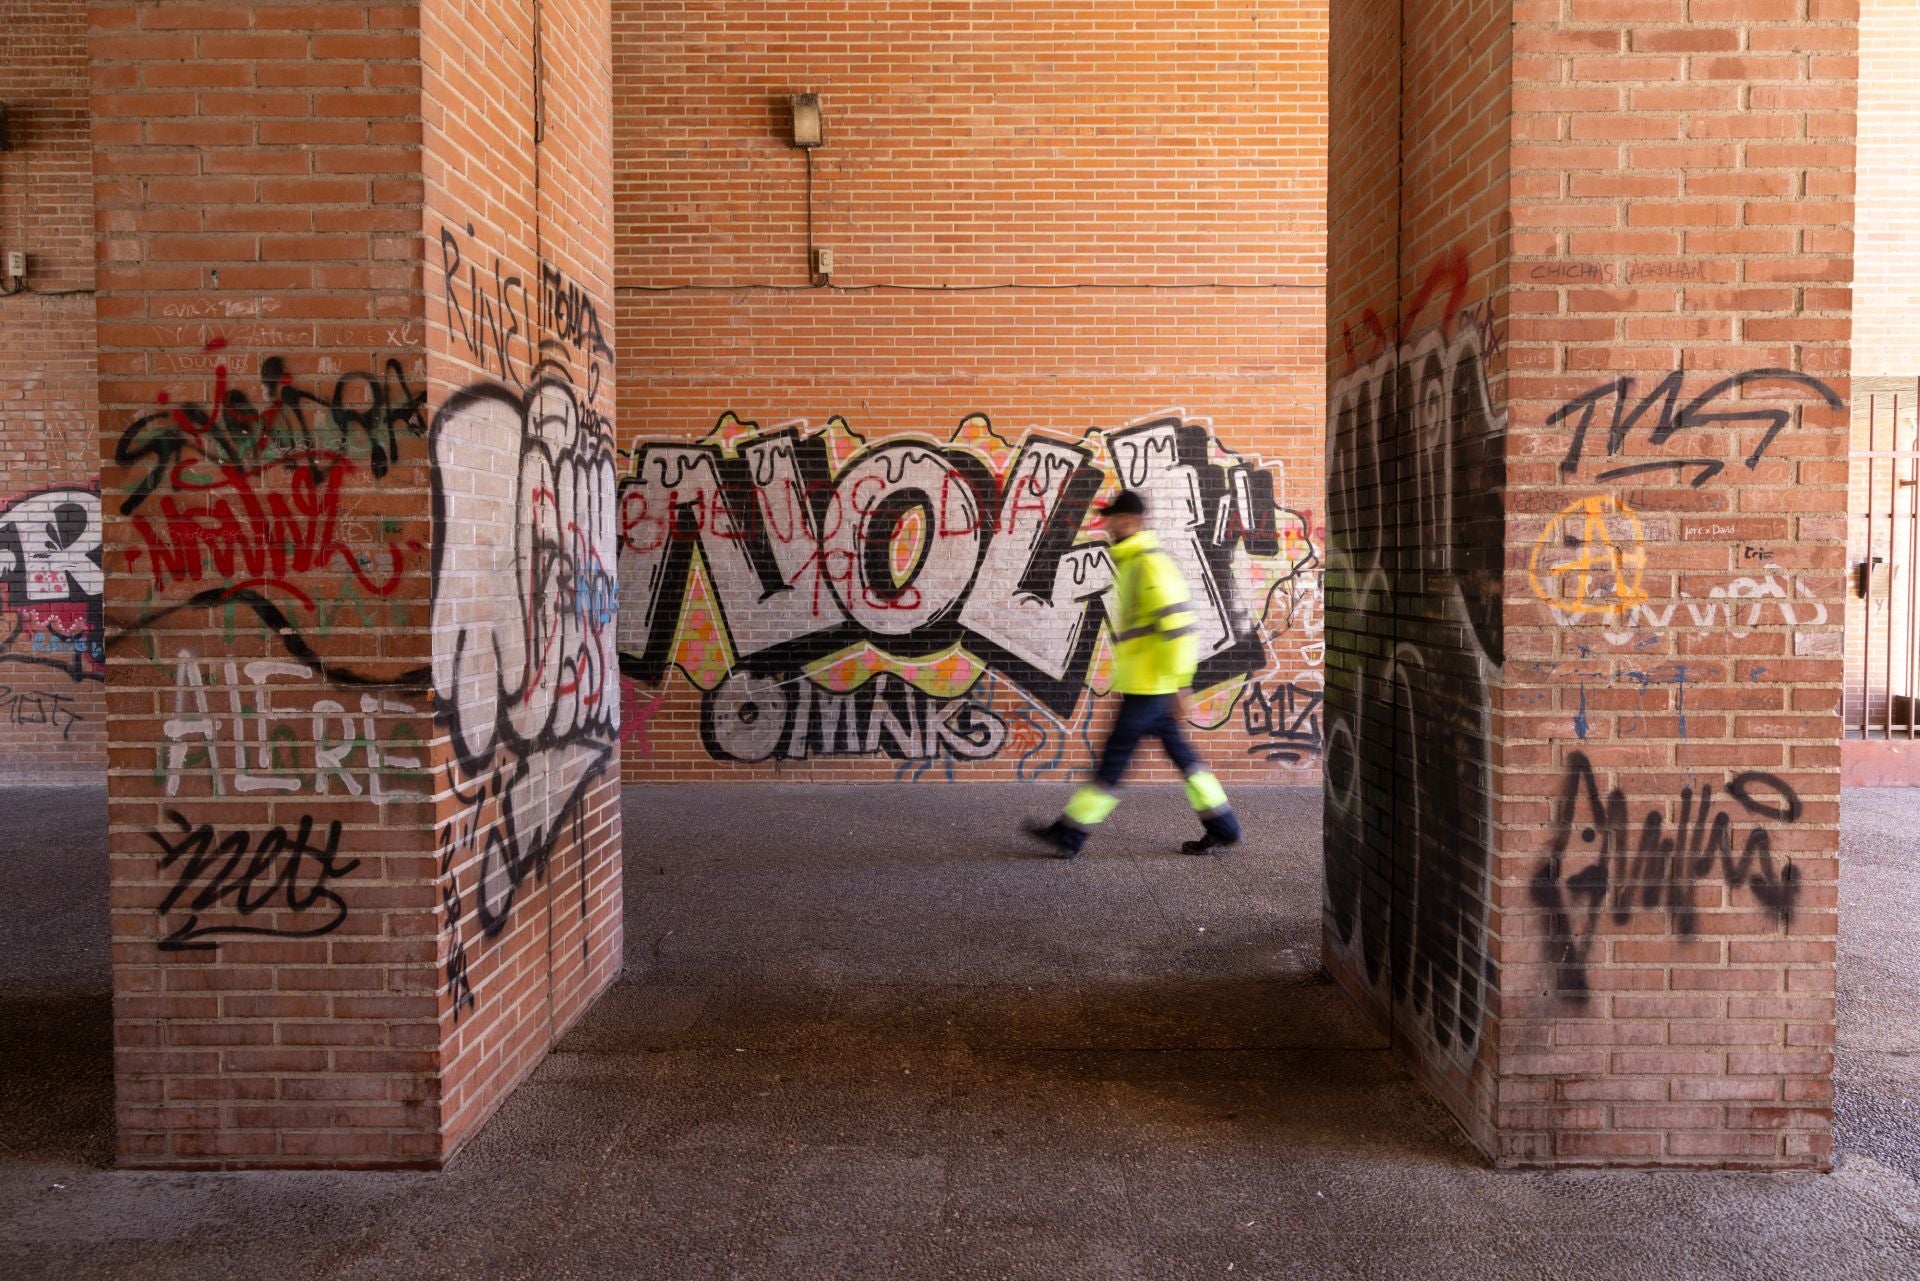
(1125, 503)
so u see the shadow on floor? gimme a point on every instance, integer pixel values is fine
(896, 1045)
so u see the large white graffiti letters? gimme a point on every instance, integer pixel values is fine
(525, 674)
(50, 581)
(815, 543)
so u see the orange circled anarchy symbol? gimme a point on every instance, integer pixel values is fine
(1590, 557)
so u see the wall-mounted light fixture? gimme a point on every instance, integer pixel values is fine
(808, 129)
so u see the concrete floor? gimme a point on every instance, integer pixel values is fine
(897, 1046)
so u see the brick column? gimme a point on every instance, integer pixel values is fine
(363, 844)
(1682, 255)
(1587, 474)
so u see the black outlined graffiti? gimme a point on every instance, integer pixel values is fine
(50, 581)
(284, 873)
(1600, 868)
(21, 708)
(250, 503)
(1414, 570)
(817, 545)
(750, 718)
(1284, 721)
(525, 673)
(1674, 418)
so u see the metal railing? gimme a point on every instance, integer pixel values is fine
(1881, 645)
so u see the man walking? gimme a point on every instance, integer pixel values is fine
(1154, 656)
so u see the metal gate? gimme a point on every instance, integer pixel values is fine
(1881, 650)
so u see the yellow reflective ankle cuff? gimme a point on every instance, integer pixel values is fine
(1205, 794)
(1090, 806)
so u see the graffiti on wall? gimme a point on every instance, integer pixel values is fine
(750, 718)
(526, 674)
(39, 709)
(1665, 417)
(1645, 866)
(50, 581)
(275, 883)
(275, 727)
(1601, 870)
(265, 501)
(1414, 564)
(758, 562)
(1590, 561)
(258, 498)
(1284, 721)
(1736, 607)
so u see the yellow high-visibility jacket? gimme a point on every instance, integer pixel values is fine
(1154, 650)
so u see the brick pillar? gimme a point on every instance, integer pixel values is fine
(363, 836)
(519, 333)
(1586, 460)
(1682, 255)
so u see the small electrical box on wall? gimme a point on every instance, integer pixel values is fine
(823, 261)
(16, 265)
(1872, 578)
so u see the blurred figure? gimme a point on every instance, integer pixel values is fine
(1154, 658)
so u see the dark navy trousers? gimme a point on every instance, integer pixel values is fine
(1144, 716)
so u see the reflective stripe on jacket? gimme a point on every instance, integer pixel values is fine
(1154, 650)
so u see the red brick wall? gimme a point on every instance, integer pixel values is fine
(519, 336)
(256, 173)
(1682, 223)
(1417, 251)
(1046, 229)
(52, 708)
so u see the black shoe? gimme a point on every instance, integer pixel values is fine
(1059, 841)
(1206, 845)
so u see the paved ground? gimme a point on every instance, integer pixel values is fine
(898, 1047)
